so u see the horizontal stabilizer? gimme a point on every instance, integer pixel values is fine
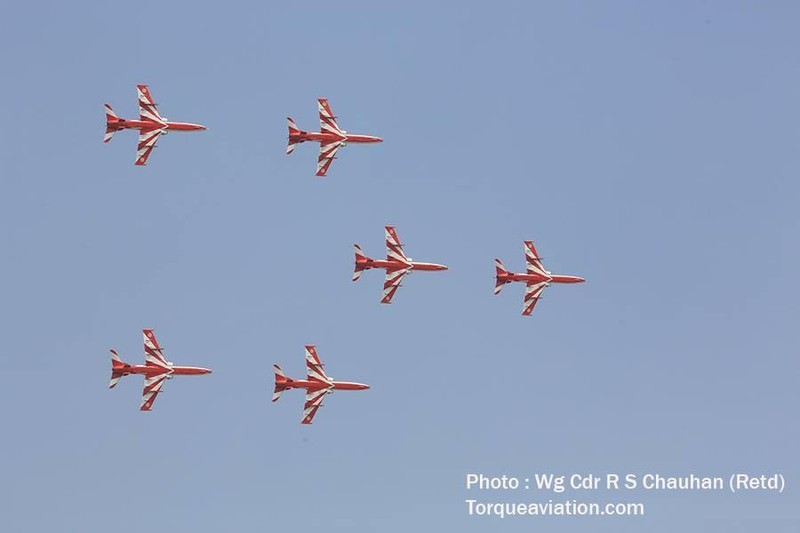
(498, 286)
(115, 377)
(361, 262)
(111, 123)
(276, 394)
(280, 383)
(117, 369)
(110, 115)
(293, 130)
(501, 272)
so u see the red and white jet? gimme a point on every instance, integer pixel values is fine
(330, 137)
(156, 370)
(536, 278)
(317, 384)
(397, 264)
(151, 125)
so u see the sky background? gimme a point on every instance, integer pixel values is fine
(651, 148)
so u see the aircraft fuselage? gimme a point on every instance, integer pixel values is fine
(318, 385)
(397, 265)
(327, 138)
(537, 278)
(123, 124)
(151, 370)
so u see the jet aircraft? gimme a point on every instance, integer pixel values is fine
(536, 278)
(397, 264)
(317, 384)
(151, 125)
(330, 137)
(156, 370)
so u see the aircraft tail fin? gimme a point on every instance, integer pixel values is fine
(117, 369)
(362, 262)
(501, 273)
(280, 383)
(111, 123)
(293, 130)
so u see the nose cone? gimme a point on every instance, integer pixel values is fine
(207, 371)
(580, 280)
(442, 267)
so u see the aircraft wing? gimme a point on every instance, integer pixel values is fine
(394, 248)
(152, 386)
(327, 121)
(533, 261)
(314, 370)
(147, 141)
(392, 282)
(327, 153)
(147, 107)
(533, 290)
(313, 403)
(153, 354)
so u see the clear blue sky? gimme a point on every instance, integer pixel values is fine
(652, 149)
